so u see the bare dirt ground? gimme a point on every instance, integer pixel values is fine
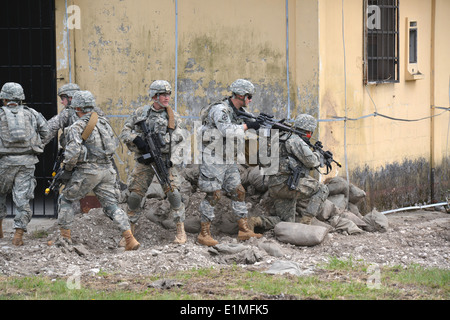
(413, 237)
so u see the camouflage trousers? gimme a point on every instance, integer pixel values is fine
(309, 190)
(20, 181)
(139, 182)
(216, 177)
(101, 180)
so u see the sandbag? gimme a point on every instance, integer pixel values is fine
(328, 210)
(354, 209)
(339, 200)
(300, 234)
(340, 223)
(337, 185)
(256, 179)
(351, 216)
(355, 194)
(376, 221)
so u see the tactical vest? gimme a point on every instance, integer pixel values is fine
(19, 131)
(287, 160)
(101, 144)
(159, 122)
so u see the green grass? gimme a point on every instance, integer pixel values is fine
(338, 279)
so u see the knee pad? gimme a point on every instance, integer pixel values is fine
(238, 194)
(213, 197)
(174, 199)
(134, 201)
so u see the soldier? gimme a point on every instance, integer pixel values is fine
(22, 130)
(221, 118)
(161, 119)
(67, 116)
(88, 167)
(294, 152)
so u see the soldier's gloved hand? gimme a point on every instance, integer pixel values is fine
(140, 144)
(66, 175)
(253, 125)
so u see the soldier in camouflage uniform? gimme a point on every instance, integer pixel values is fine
(220, 117)
(22, 130)
(88, 167)
(67, 116)
(295, 152)
(161, 119)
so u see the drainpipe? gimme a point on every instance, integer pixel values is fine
(432, 100)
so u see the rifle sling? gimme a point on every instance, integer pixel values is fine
(90, 126)
(170, 113)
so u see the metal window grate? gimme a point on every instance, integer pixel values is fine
(28, 57)
(382, 41)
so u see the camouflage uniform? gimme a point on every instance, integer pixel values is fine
(67, 116)
(218, 174)
(157, 121)
(295, 152)
(22, 130)
(92, 168)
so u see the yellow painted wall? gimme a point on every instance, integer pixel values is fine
(376, 140)
(375, 144)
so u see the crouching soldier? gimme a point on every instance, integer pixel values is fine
(88, 167)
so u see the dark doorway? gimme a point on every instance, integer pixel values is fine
(28, 57)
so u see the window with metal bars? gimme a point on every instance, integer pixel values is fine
(381, 41)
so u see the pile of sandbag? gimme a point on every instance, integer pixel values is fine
(341, 209)
(340, 213)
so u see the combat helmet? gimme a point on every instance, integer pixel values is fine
(159, 87)
(12, 91)
(84, 100)
(305, 122)
(68, 89)
(242, 87)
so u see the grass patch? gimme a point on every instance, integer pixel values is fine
(338, 279)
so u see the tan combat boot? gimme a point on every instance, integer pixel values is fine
(205, 235)
(1, 228)
(254, 222)
(130, 241)
(244, 232)
(122, 242)
(180, 238)
(65, 235)
(17, 240)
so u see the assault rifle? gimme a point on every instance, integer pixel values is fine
(268, 121)
(57, 171)
(153, 157)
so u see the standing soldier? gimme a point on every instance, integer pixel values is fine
(296, 154)
(161, 120)
(22, 130)
(67, 116)
(221, 117)
(88, 167)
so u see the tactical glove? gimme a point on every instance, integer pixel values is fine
(253, 125)
(141, 144)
